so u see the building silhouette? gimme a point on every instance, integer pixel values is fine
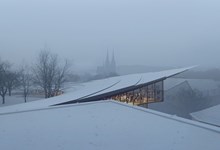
(108, 68)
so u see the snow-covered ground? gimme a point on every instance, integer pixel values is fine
(103, 125)
(18, 99)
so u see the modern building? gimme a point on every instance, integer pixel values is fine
(134, 89)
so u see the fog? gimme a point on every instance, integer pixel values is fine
(145, 32)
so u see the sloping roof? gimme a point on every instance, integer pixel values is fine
(94, 88)
(210, 115)
(107, 125)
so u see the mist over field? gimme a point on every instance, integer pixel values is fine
(170, 33)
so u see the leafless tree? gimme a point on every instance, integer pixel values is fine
(25, 81)
(12, 81)
(60, 77)
(48, 74)
(4, 66)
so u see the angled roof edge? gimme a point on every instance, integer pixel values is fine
(184, 70)
(94, 97)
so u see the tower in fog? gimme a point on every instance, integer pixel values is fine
(109, 67)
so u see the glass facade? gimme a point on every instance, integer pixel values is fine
(143, 95)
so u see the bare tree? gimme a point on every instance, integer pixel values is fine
(60, 78)
(12, 81)
(48, 74)
(25, 81)
(4, 66)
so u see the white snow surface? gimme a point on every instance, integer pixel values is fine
(93, 88)
(103, 125)
(210, 115)
(18, 99)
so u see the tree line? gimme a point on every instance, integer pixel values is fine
(48, 73)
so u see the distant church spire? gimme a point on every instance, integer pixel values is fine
(107, 63)
(113, 64)
(109, 66)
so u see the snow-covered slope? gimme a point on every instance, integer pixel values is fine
(103, 125)
(210, 115)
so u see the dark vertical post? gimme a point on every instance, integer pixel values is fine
(147, 97)
(162, 90)
(155, 97)
(132, 98)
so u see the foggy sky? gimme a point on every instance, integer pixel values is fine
(147, 32)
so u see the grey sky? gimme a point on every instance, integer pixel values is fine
(149, 32)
